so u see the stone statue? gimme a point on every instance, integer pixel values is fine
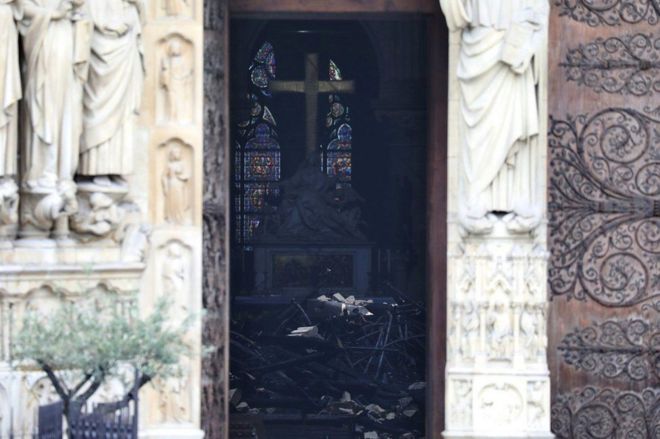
(174, 271)
(10, 94)
(175, 182)
(56, 46)
(53, 92)
(113, 91)
(175, 77)
(314, 209)
(499, 107)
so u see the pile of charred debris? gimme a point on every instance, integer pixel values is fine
(354, 365)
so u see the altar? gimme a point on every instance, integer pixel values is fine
(295, 270)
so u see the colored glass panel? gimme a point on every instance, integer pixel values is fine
(339, 164)
(262, 166)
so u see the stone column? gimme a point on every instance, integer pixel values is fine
(174, 111)
(497, 378)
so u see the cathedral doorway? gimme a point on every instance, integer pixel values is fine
(338, 218)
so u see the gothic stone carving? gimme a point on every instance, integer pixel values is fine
(628, 64)
(10, 94)
(174, 394)
(604, 209)
(56, 52)
(42, 208)
(113, 91)
(628, 349)
(175, 162)
(592, 413)
(610, 12)
(176, 101)
(100, 213)
(500, 403)
(461, 403)
(496, 72)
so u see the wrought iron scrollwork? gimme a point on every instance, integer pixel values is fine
(604, 206)
(615, 349)
(627, 64)
(607, 413)
(610, 12)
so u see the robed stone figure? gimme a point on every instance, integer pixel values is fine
(10, 94)
(499, 108)
(10, 88)
(113, 92)
(56, 45)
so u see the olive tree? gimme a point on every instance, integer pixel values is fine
(81, 346)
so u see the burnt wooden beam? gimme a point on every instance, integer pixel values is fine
(334, 6)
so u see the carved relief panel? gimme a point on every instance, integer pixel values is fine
(175, 99)
(175, 200)
(173, 400)
(604, 178)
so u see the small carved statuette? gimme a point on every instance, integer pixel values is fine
(176, 188)
(176, 75)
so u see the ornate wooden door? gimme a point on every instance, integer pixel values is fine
(604, 206)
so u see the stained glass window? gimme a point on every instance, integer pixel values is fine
(337, 155)
(257, 155)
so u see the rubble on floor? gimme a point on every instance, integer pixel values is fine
(359, 360)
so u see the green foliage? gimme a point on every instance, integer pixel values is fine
(82, 345)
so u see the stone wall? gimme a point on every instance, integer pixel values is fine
(109, 197)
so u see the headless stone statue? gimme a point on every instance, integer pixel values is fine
(113, 92)
(499, 107)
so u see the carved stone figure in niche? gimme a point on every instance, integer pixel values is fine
(175, 8)
(535, 403)
(173, 398)
(10, 94)
(462, 407)
(113, 92)
(176, 188)
(176, 76)
(497, 72)
(499, 325)
(532, 340)
(56, 46)
(174, 270)
(313, 208)
(470, 331)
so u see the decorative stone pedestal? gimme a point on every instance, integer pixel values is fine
(497, 379)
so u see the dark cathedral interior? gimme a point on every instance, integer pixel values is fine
(328, 255)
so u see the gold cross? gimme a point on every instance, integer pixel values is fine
(312, 87)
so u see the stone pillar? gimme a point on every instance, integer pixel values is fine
(173, 110)
(497, 378)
